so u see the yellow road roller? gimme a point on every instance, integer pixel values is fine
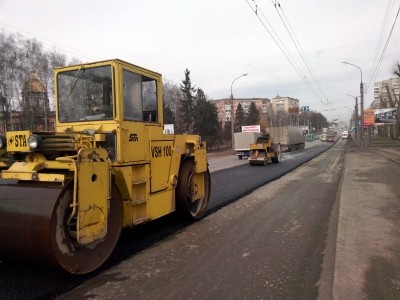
(66, 195)
(264, 149)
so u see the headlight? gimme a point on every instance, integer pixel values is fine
(34, 141)
(3, 142)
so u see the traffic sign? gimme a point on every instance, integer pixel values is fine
(305, 108)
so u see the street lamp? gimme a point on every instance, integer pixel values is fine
(355, 115)
(361, 103)
(232, 116)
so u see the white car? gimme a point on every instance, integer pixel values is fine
(345, 134)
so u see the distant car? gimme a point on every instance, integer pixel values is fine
(345, 134)
(309, 137)
(322, 137)
(330, 138)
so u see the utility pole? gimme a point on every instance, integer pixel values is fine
(361, 103)
(356, 123)
(362, 112)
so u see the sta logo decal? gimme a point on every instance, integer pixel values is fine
(18, 140)
(133, 137)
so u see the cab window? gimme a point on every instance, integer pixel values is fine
(140, 97)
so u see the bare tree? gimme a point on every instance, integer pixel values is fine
(19, 57)
(172, 96)
(8, 76)
(396, 69)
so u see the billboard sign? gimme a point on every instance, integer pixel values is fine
(385, 115)
(379, 116)
(251, 128)
(369, 117)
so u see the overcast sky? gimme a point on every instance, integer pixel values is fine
(218, 40)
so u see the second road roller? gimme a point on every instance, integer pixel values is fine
(66, 195)
(264, 149)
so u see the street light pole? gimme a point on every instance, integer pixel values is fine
(361, 103)
(232, 116)
(355, 116)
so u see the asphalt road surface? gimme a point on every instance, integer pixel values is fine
(268, 243)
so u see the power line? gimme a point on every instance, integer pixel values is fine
(375, 74)
(297, 44)
(385, 22)
(277, 38)
(60, 46)
(287, 54)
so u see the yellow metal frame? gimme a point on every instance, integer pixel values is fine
(92, 191)
(29, 169)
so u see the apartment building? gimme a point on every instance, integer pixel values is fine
(224, 107)
(285, 105)
(386, 93)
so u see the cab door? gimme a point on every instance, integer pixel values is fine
(139, 108)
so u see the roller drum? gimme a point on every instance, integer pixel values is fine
(35, 226)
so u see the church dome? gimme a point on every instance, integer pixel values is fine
(34, 84)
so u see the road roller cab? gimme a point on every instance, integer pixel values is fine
(66, 195)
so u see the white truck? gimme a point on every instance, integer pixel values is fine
(291, 138)
(243, 141)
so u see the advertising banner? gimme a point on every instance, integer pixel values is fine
(379, 116)
(251, 128)
(369, 117)
(385, 115)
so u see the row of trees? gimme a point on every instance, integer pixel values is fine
(18, 57)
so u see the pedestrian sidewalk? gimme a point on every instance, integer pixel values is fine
(367, 262)
(391, 153)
